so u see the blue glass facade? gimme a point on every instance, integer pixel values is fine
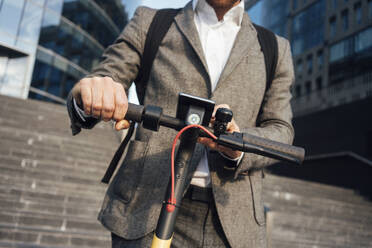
(308, 28)
(272, 14)
(51, 44)
(331, 43)
(351, 57)
(74, 34)
(20, 22)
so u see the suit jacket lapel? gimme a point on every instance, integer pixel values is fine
(185, 22)
(244, 41)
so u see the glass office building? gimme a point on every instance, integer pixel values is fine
(48, 45)
(331, 46)
(20, 23)
(272, 14)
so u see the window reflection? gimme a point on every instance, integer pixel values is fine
(66, 40)
(345, 19)
(79, 37)
(295, 4)
(30, 27)
(358, 13)
(299, 67)
(48, 78)
(13, 80)
(55, 5)
(90, 20)
(332, 26)
(54, 82)
(309, 62)
(115, 11)
(39, 2)
(271, 14)
(3, 62)
(334, 4)
(355, 44)
(10, 10)
(307, 28)
(320, 59)
(351, 58)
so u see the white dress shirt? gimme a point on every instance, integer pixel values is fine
(217, 39)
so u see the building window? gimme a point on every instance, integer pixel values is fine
(358, 13)
(272, 15)
(345, 19)
(332, 27)
(319, 83)
(298, 90)
(295, 4)
(367, 78)
(309, 61)
(320, 59)
(308, 87)
(342, 49)
(363, 40)
(299, 67)
(308, 27)
(10, 10)
(334, 4)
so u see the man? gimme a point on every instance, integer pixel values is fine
(211, 51)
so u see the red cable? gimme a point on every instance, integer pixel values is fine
(172, 201)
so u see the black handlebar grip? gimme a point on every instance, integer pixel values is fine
(285, 149)
(134, 112)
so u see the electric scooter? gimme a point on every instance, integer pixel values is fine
(192, 121)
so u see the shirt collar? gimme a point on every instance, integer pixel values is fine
(207, 14)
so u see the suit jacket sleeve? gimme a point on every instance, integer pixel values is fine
(275, 121)
(120, 61)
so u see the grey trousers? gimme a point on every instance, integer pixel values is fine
(197, 225)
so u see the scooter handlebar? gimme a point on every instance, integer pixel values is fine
(239, 141)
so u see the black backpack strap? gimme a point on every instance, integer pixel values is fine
(158, 29)
(269, 47)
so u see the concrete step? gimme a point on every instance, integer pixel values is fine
(48, 144)
(18, 171)
(26, 238)
(291, 203)
(273, 183)
(50, 208)
(42, 194)
(22, 183)
(50, 222)
(299, 230)
(50, 190)
(53, 171)
(22, 150)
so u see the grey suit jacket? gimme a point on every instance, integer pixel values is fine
(133, 201)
